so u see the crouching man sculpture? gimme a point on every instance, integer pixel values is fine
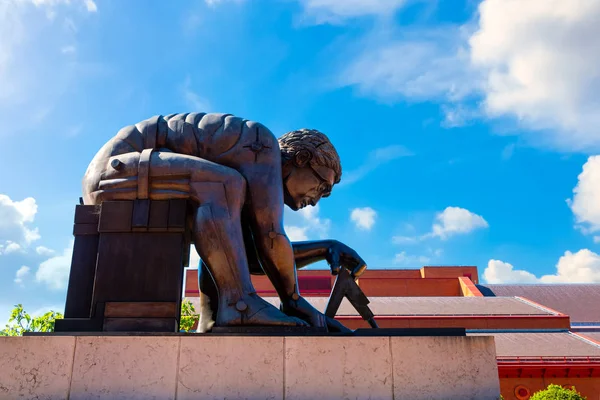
(239, 176)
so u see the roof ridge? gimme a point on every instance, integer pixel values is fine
(539, 284)
(538, 306)
(583, 338)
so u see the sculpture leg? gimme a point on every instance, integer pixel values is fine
(209, 299)
(219, 242)
(220, 193)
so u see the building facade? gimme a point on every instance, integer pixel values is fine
(544, 333)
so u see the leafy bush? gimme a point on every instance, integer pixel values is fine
(556, 392)
(20, 322)
(188, 316)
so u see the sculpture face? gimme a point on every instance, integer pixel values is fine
(306, 185)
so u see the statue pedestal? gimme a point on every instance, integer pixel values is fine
(127, 267)
(180, 366)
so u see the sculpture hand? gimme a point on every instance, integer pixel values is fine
(304, 310)
(339, 255)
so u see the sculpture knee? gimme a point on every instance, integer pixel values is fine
(225, 197)
(235, 188)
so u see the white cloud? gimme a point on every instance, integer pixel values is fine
(91, 6)
(193, 100)
(580, 267)
(314, 222)
(456, 220)
(15, 220)
(459, 114)
(586, 197)
(502, 272)
(44, 251)
(533, 62)
(214, 3)
(51, 4)
(375, 159)
(405, 239)
(413, 260)
(307, 221)
(296, 233)
(364, 218)
(54, 272)
(21, 274)
(10, 247)
(437, 252)
(540, 61)
(452, 221)
(413, 64)
(337, 11)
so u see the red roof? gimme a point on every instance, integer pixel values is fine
(542, 344)
(579, 301)
(448, 306)
(594, 336)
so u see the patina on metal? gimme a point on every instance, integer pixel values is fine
(239, 176)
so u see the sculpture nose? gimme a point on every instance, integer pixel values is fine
(315, 200)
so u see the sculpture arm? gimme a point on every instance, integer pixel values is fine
(264, 211)
(305, 253)
(251, 253)
(309, 252)
(336, 254)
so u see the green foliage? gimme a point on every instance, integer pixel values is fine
(20, 321)
(556, 392)
(188, 316)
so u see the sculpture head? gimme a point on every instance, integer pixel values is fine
(311, 166)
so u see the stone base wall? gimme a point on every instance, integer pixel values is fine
(248, 367)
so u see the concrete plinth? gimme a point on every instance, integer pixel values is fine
(248, 367)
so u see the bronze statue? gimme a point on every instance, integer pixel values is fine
(239, 176)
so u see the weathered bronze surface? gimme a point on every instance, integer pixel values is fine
(238, 176)
(127, 266)
(346, 286)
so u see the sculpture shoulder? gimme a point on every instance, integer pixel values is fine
(257, 146)
(263, 135)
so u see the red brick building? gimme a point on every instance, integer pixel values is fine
(544, 333)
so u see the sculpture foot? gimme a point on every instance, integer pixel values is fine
(254, 311)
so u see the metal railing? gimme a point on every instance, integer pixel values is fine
(549, 360)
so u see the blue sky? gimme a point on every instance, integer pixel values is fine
(468, 130)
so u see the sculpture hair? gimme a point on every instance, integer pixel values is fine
(316, 143)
